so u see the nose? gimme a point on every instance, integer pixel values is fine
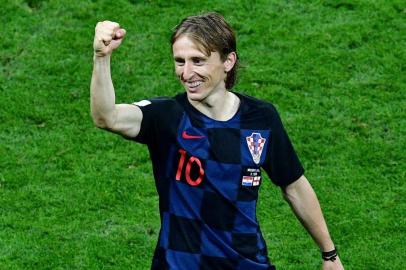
(187, 73)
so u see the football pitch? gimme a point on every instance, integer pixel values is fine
(75, 197)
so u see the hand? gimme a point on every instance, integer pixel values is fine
(108, 37)
(335, 265)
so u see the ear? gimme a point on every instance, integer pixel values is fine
(230, 61)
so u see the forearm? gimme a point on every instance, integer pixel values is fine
(306, 207)
(102, 101)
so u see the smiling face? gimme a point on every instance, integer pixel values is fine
(201, 75)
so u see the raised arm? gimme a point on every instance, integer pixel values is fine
(124, 119)
(306, 207)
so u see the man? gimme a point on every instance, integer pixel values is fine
(207, 147)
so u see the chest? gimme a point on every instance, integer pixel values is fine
(223, 142)
(221, 157)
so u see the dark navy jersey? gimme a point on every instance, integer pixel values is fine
(207, 174)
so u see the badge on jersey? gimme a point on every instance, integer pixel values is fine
(256, 145)
(251, 177)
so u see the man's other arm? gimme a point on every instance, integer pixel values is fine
(305, 205)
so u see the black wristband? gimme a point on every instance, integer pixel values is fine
(330, 255)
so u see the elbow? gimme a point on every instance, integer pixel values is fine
(290, 192)
(286, 195)
(101, 122)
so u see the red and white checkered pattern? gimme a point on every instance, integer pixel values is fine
(256, 153)
(261, 143)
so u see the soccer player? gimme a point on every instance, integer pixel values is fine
(207, 146)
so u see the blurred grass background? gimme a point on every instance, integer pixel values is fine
(74, 197)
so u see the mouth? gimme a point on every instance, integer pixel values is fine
(193, 86)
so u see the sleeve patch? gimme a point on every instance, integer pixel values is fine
(142, 103)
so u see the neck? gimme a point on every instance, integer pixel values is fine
(221, 106)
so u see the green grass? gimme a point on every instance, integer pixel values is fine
(74, 197)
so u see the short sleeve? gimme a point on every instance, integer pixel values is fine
(159, 120)
(281, 164)
(150, 112)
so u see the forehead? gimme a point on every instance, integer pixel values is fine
(185, 46)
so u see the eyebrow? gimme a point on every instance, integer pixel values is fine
(195, 58)
(198, 58)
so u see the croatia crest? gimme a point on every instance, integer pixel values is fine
(256, 145)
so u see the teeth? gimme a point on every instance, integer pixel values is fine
(194, 84)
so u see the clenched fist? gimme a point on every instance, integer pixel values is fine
(108, 36)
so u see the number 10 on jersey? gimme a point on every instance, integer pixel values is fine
(191, 168)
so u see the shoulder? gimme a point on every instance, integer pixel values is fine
(159, 111)
(253, 102)
(160, 116)
(155, 101)
(252, 106)
(159, 105)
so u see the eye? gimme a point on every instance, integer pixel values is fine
(198, 61)
(179, 61)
